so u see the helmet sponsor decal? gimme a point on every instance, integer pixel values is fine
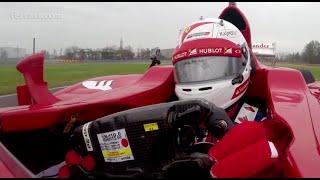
(240, 89)
(237, 51)
(187, 29)
(193, 52)
(210, 50)
(190, 28)
(198, 34)
(180, 55)
(227, 50)
(216, 51)
(228, 33)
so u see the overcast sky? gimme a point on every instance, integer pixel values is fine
(147, 24)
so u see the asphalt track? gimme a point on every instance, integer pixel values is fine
(11, 99)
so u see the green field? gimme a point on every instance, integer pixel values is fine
(315, 69)
(61, 74)
(64, 74)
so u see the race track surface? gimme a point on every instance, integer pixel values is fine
(11, 99)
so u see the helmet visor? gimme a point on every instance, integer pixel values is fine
(208, 68)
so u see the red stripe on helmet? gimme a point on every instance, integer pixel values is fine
(206, 47)
(190, 28)
(240, 89)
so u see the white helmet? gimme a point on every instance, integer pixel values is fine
(212, 62)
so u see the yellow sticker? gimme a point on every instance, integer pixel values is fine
(187, 29)
(151, 127)
(117, 153)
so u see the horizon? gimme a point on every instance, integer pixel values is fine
(95, 25)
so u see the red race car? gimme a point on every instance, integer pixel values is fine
(133, 125)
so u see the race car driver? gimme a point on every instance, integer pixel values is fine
(212, 62)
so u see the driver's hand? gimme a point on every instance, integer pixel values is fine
(243, 152)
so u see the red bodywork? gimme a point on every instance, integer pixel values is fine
(293, 106)
(128, 91)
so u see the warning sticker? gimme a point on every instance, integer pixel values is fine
(151, 127)
(115, 146)
(86, 137)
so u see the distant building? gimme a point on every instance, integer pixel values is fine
(121, 43)
(12, 53)
(167, 53)
(264, 50)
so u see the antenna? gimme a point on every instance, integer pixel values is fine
(221, 22)
(34, 45)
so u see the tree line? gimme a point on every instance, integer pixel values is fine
(107, 53)
(310, 54)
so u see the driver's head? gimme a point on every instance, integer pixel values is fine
(212, 62)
